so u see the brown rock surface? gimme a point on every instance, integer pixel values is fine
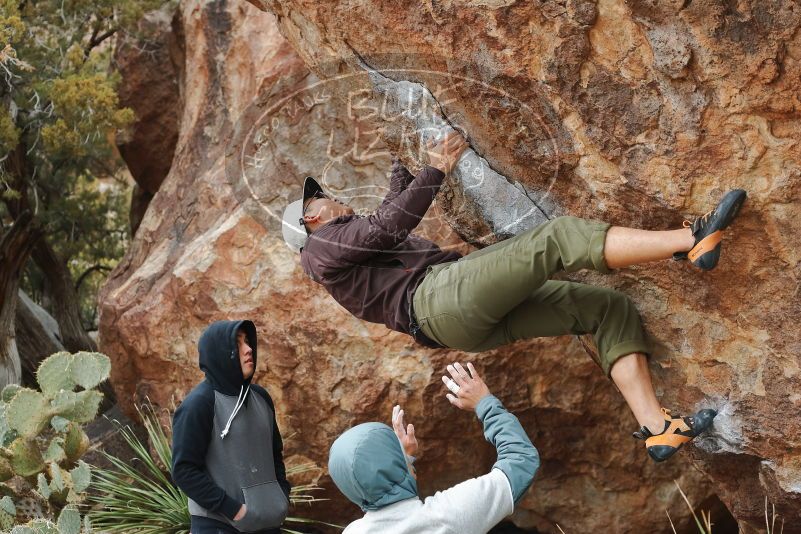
(635, 113)
(150, 64)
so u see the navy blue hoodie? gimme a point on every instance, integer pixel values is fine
(224, 456)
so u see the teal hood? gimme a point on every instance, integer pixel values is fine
(368, 466)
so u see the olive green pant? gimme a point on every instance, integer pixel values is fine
(502, 294)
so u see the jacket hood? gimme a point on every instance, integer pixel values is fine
(219, 355)
(368, 466)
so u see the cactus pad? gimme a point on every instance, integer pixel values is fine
(6, 520)
(38, 526)
(89, 369)
(81, 477)
(7, 505)
(55, 451)
(69, 521)
(59, 423)
(26, 459)
(76, 442)
(5, 470)
(28, 412)
(42, 486)
(57, 478)
(54, 374)
(80, 407)
(9, 391)
(6, 434)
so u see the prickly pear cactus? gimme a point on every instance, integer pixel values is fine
(76, 442)
(26, 458)
(69, 521)
(7, 513)
(40, 526)
(42, 441)
(28, 412)
(9, 391)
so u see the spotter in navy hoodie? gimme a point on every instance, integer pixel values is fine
(224, 456)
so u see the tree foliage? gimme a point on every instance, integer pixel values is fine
(59, 111)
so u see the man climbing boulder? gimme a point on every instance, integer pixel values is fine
(376, 269)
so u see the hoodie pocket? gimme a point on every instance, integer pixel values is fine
(266, 507)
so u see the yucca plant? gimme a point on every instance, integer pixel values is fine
(140, 497)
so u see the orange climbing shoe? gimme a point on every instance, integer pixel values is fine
(677, 432)
(708, 231)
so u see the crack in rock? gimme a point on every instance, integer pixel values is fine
(508, 207)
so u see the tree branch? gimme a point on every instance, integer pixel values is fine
(96, 40)
(87, 272)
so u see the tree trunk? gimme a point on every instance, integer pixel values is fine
(34, 341)
(63, 298)
(60, 288)
(15, 249)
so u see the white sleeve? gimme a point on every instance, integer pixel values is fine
(475, 505)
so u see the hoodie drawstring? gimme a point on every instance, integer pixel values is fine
(236, 410)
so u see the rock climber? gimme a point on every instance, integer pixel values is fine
(376, 269)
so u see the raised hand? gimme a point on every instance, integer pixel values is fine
(465, 385)
(405, 433)
(444, 154)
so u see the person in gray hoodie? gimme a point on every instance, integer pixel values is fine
(372, 465)
(227, 453)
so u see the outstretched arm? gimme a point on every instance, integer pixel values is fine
(478, 504)
(399, 180)
(340, 246)
(406, 436)
(442, 156)
(517, 456)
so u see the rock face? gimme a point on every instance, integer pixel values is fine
(150, 64)
(638, 113)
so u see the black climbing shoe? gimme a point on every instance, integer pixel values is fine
(708, 231)
(677, 432)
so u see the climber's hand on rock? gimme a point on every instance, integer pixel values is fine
(444, 154)
(466, 387)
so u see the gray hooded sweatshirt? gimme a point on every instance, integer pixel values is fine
(368, 465)
(227, 449)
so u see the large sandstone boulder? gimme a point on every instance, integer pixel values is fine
(637, 114)
(647, 111)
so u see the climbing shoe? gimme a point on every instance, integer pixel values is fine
(677, 432)
(708, 231)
